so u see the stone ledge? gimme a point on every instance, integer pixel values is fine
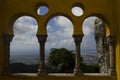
(34, 76)
(59, 74)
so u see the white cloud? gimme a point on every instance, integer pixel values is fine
(25, 25)
(25, 29)
(62, 36)
(66, 25)
(88, 26)
(63, 21)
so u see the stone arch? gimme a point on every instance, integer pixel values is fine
(101, 43)
(60, 40)
(16, 16)
(104, 19)
(59, 14)
(8, 38)
(29, 29)
(88, 45)
(108, 37)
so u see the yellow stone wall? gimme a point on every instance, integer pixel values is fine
(108, 10)
(117, 5)
(1, 42)
(117, 22)
(91, 8)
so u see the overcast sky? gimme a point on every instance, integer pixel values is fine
(59, 29)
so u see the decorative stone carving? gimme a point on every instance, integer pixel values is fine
(111, 42)
(42, 40)
(101, 45)
(7, 38)
(77, 40)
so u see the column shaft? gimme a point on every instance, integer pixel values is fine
(78, 40)
(42, 40)
(112, 67)
(42, 56)
(7, 38)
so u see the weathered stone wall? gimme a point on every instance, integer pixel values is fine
(102, 47)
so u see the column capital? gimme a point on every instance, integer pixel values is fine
(7, 38)
(78, 38)
(111, 40)
(41, 38)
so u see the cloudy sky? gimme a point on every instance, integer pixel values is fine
(59, 29)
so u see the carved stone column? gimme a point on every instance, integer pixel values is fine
(42, 40)
(101, 45)
(77, 40)
(7, 38)
(111, 44)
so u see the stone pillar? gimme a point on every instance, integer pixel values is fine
(111, 45)
(101, 45)
(42, 40)
(77, 40)
(7, 38)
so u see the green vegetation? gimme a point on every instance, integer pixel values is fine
(61, 60)
(93, 68)
(23, 68)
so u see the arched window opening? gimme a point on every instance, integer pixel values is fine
(93, 46)
(24, 49)
(60, 45)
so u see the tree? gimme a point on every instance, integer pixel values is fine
(61, 59)
(23, 68)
